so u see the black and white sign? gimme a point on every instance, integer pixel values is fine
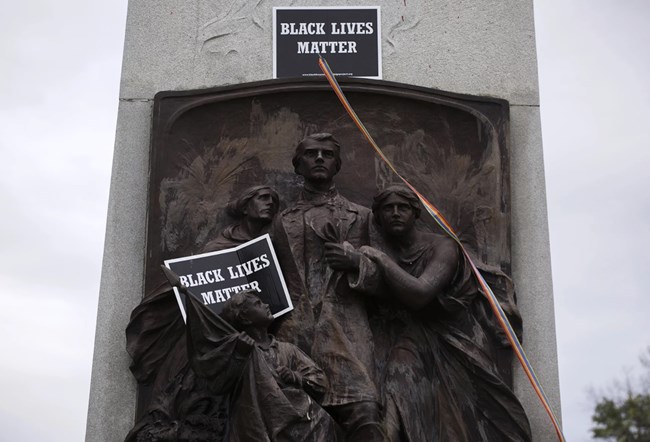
(349, 38)
(214, 277)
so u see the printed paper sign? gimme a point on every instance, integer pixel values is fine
(214, 277)
(349, 38)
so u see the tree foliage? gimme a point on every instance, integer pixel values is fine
(623, 415)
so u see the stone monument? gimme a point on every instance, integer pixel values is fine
(200, 71)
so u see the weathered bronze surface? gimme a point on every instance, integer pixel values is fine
(274, 388)
(208, 146)
(440, 380)
(381, 359)
(330, 320)
(173, 403)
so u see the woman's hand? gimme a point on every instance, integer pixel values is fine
(342, 256)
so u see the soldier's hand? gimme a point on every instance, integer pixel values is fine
(289, 377)
(342, 256)
(244, 344)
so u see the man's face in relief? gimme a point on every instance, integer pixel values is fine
(318, 161)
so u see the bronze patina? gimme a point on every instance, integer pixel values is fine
(385, 309)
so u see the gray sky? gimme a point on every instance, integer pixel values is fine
(59, 87)
(595, 106)
(60, 76)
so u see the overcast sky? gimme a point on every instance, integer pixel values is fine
(59, 88)
(595, 103)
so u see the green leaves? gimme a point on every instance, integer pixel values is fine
(625, 417)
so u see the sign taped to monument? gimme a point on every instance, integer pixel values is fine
(214, 277)
(350, 37)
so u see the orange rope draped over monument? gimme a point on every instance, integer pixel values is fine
(437, 216)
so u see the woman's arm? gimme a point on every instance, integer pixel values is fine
(418, 292)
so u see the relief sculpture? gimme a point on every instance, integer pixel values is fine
(390, 338)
